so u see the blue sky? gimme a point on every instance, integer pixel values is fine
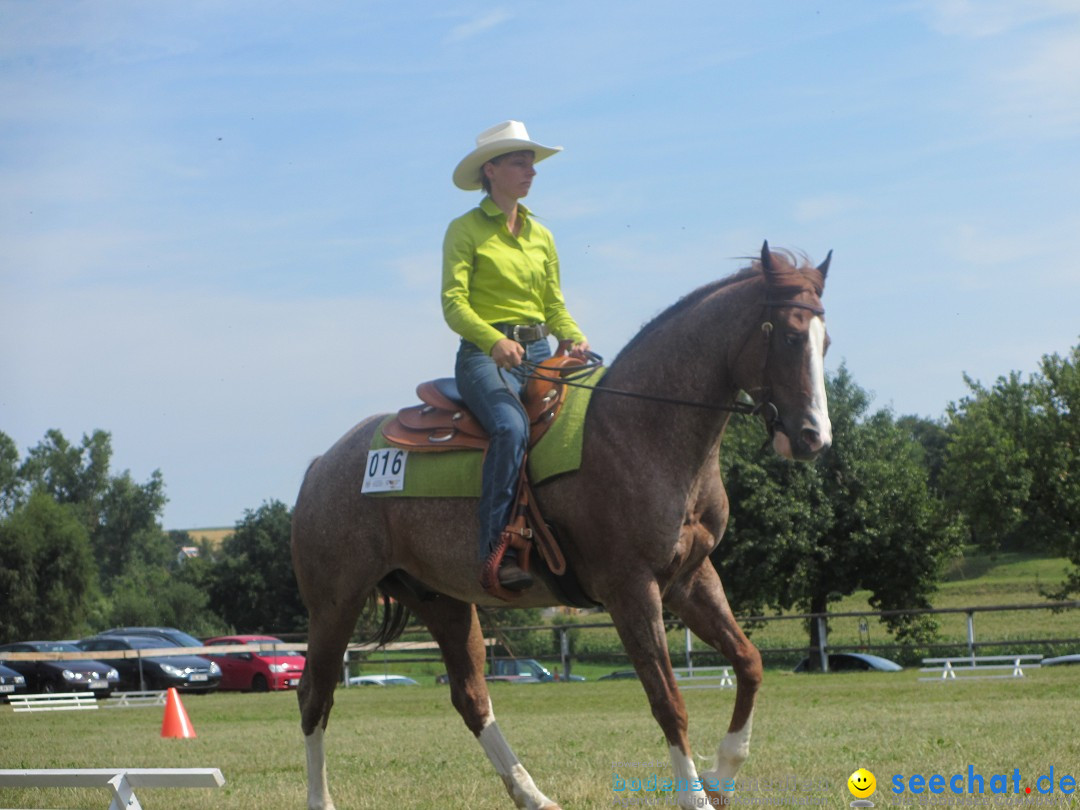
(220, 223)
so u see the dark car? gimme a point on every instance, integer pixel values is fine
(852, 662)
(1073, 658)
(177, 637)
(621, 675)
(258, 671)
(188, 673)
(61, 675)
(11, 683)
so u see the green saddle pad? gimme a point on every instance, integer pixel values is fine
(456, 473)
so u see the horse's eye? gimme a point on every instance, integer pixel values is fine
(792, 338)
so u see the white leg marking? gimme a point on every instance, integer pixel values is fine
(819, 404)
(687, 784)
(318, 792)
(731, 754)
(518, 783)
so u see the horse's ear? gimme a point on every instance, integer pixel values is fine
(823, 268)
(766, 259)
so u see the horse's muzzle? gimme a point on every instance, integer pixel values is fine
(807, 446)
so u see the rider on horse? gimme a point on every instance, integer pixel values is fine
(501, 294)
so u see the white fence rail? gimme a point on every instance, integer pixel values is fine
(121, 782)
(975, 667)
(53, 701)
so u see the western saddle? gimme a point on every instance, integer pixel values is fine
(443, 422)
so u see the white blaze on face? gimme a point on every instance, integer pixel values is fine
(819, 405)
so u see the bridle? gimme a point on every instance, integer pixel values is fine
(759, 407)
(771, 415)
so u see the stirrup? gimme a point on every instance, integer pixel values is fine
(511, 537)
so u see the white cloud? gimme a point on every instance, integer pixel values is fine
(480, 25)
(1024, 60)
(985, 18)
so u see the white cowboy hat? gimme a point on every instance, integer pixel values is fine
(501, 139)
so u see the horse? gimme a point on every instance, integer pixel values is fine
(637, 521)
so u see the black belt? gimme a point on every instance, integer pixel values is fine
(523, 332)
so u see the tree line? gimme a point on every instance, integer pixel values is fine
(884, 510)
(84, 550)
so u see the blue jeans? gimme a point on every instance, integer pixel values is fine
(494, 397)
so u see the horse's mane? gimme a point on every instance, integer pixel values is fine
(689, 301)
(794, 272)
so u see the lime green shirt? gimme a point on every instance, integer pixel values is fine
(490, 276)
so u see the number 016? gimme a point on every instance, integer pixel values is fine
(385, 470)
(386, 462)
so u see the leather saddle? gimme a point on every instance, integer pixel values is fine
(443, 421)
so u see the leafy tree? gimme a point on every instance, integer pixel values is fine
(47, 582)
(120, 515)
(932, 436)
(75, 475)
(862, 517)
(128, 533)
(252, 585)
(156, 595)
(989, 469)
(1057, 490)
(120, 531)
(1013, 462)
(9, 470)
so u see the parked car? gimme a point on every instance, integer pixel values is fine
(1061, 659)
(188, 673)
(11, 683)
(524, 670)
(852, 662)
(61, 675)
(620, 675)
(177, 637)
(381, 680)
(257, 671)
(517, 670)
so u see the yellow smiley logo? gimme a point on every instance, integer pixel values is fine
(862, 784)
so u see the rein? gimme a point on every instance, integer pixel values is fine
(765, 408)
(595, 361)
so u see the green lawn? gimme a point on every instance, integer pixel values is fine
(407, 748)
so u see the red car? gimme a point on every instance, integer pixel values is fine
(256, 671)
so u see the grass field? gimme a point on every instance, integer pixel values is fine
(407, 748)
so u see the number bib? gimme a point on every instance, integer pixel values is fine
(385, 470)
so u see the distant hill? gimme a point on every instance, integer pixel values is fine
(214, 536)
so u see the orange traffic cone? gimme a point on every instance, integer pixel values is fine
(176, 723)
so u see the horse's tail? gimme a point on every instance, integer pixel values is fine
(395, 618)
